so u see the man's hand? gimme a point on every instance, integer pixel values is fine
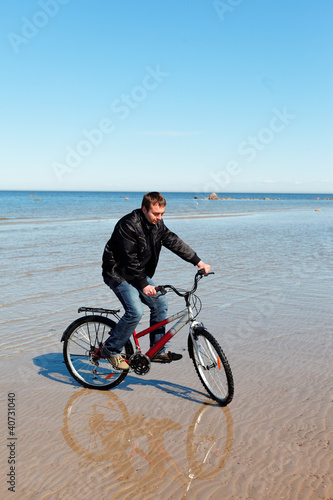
(149, 290)
(205, 267)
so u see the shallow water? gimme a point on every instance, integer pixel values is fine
(262, 259)
(268, 304)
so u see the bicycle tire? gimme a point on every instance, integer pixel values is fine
(213, 369)
(84, 336)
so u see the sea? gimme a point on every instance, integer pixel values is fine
(267, 250)
(46, 206)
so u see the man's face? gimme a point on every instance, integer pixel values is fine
(154, 214)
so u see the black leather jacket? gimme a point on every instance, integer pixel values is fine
(133, 250)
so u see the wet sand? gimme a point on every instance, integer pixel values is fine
(159, 436)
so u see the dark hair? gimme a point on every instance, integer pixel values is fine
(153, 198)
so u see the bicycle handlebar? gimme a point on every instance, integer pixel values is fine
(162, 289)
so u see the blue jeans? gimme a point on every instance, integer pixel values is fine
(132, 300)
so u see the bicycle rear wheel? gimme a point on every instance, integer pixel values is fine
(82, 341)
(212, 366)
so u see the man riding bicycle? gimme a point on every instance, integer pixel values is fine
(129, 262)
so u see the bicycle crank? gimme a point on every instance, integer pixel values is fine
(140, 363)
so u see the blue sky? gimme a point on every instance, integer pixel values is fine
(172, 95)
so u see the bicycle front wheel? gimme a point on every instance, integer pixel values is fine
(212, 366)
(82, 342)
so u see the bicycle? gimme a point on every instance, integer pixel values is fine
(84, 338)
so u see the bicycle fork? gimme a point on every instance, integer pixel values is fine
(196, 348)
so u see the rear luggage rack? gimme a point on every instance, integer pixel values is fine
(98, 310)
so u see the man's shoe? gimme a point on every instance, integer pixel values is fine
(166, 357)
(117, 361)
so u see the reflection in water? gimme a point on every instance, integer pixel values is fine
(99, 428)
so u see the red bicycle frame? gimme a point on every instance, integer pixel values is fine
(184, 316)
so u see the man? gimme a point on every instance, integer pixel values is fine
(129, 262)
